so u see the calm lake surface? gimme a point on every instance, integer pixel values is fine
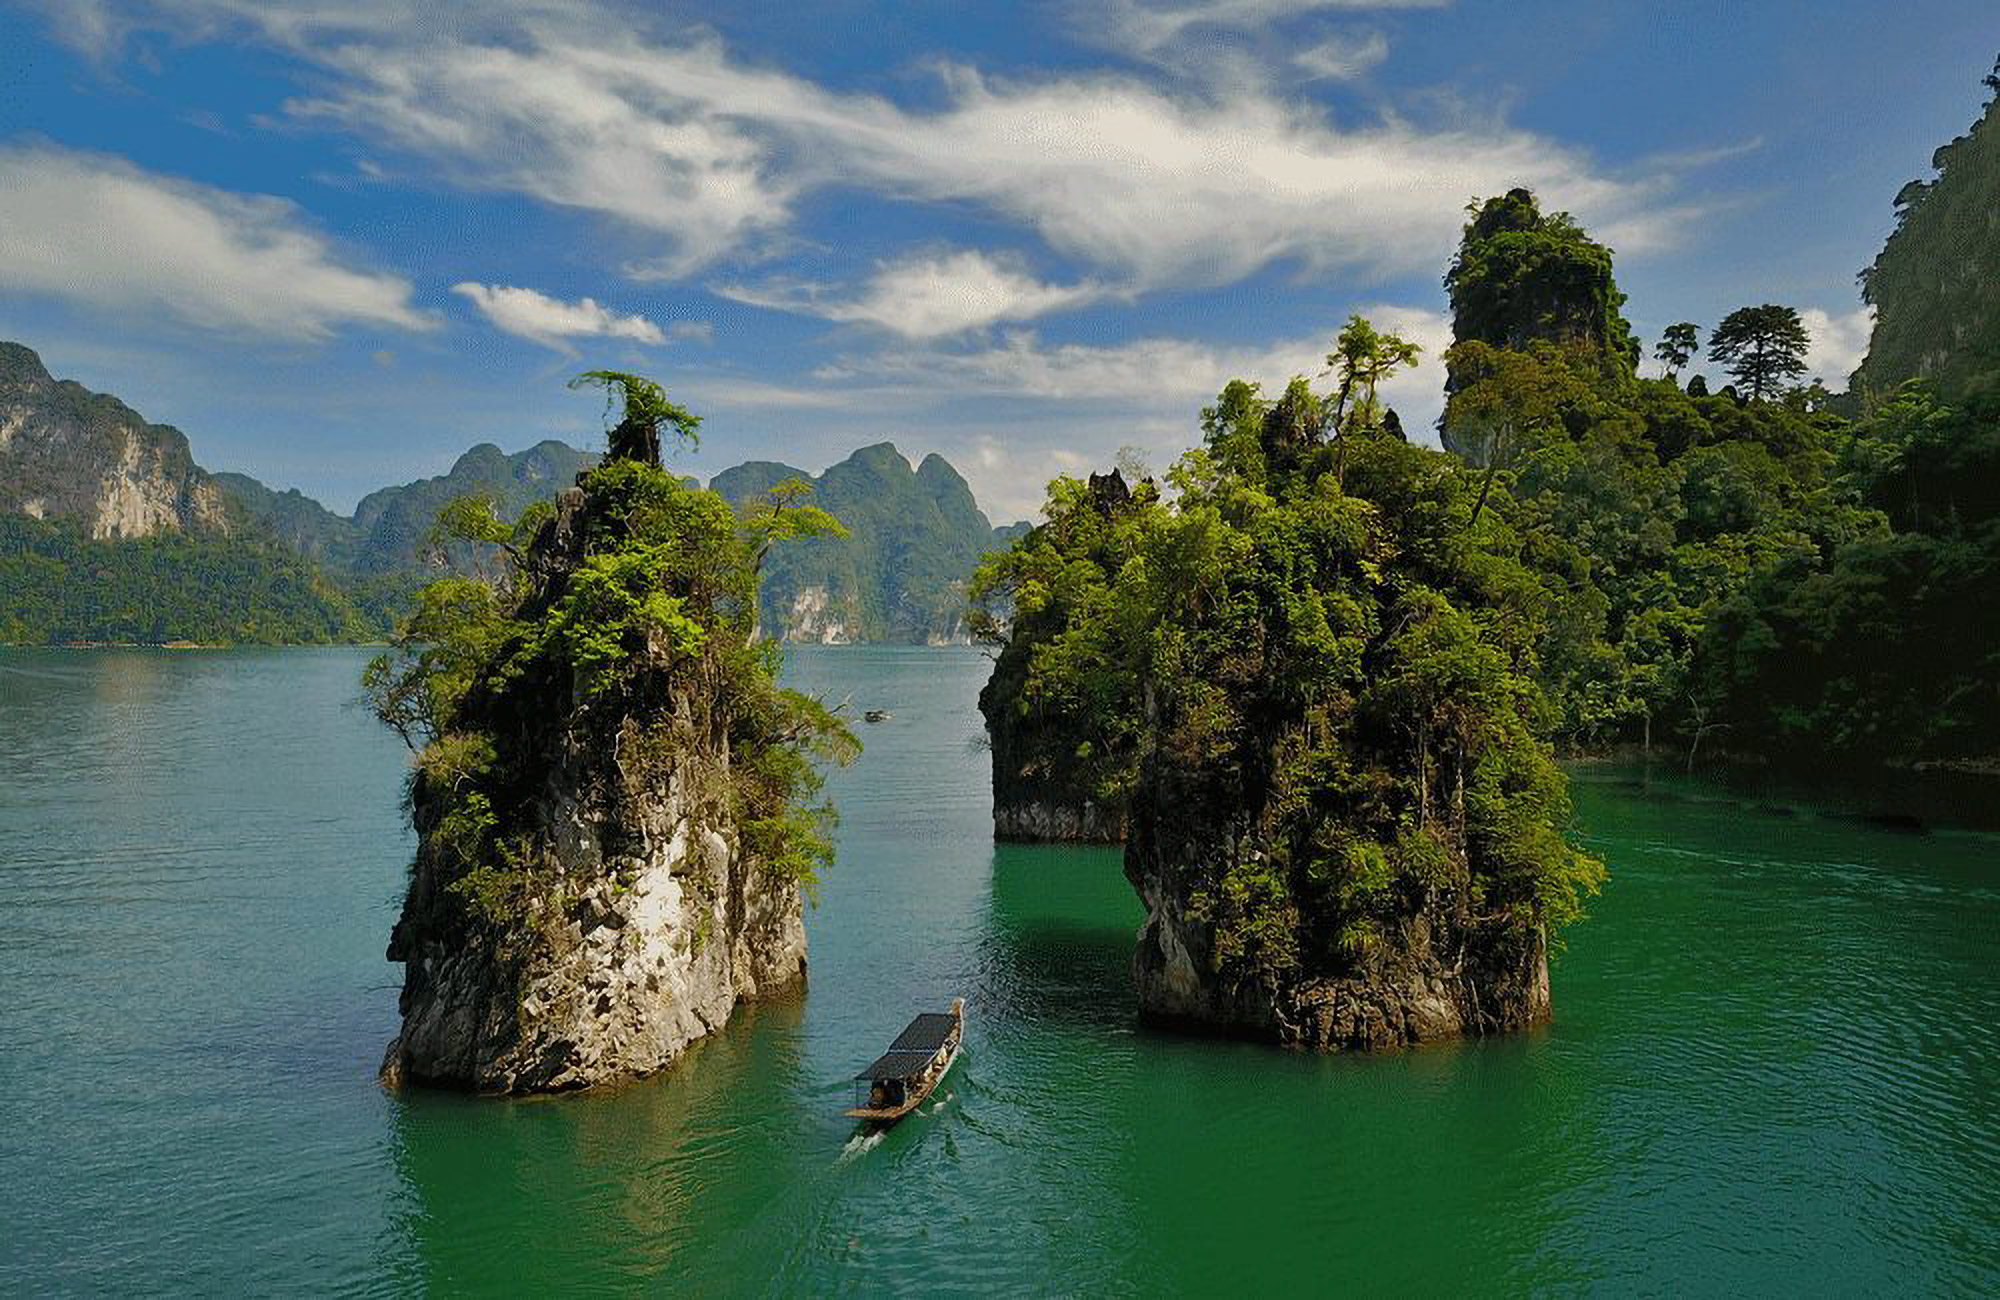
(1775, 1067)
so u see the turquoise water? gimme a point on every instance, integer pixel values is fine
(1775, 1065)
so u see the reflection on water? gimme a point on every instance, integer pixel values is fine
(1059, 940)
(1774, 1064)
(612, 1185)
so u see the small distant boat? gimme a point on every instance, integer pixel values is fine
(912, 1067)
(877, 715)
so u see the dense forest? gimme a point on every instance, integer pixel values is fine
(59, 585)
(1883, 648)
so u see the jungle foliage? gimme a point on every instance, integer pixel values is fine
(1307, 642)
(1764, 571)
(1883, 650)
(1749, 570)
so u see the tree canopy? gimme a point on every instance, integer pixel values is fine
(1678, 346)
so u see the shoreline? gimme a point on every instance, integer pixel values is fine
(1915, 799)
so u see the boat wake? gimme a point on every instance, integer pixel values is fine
(861, 1144)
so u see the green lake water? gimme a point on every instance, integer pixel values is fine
(1775, 1065)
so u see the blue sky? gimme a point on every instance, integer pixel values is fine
(339, 242)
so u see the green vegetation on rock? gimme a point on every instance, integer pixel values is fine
(1306, 681)
(628, 609)
(1523, 276)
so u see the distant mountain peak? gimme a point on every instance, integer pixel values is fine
(914, 537)
(916, 532)
(20, 364)
(67, 453)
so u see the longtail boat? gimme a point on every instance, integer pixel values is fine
(910, 1070)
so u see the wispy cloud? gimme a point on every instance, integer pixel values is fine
(551, 321)
(928, 295)
(1151, 189)
(709, 157)
(95, 229)
(1162, 374)
(1343, 57)
(1014, 413)
(1146, 30)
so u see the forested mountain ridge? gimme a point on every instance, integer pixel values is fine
(109, 531)
(83, 477)
(389, 531)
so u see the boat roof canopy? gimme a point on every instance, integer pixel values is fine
(913, 1048)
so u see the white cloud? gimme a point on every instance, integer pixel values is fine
(1153, 189)
(1014, 414)
(550, 321)
(1838, 343)
(1157, 375)
(928, 295)
(579, 125)
(98, 230)
(708, 157)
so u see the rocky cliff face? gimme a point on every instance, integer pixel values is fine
(669, 928)
(70, 454)
(1935, 286)
(1038, 796)
(1438, 973)
(643, 920)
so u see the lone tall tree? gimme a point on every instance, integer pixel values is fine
(1763, 348)
(1363, 357)
(644, 414)
(1677, 347)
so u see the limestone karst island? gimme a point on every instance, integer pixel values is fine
(1165, 647)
